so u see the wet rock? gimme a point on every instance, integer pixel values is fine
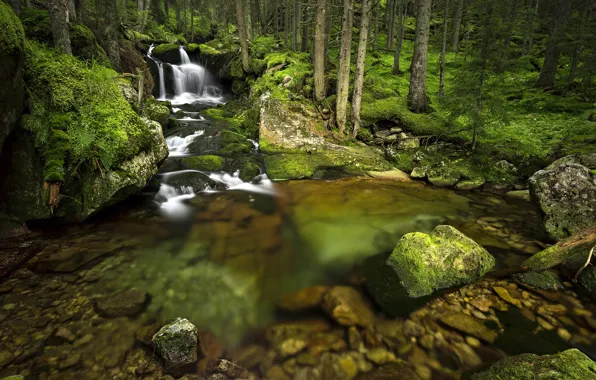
(15, 377)
(144, 335)
(305, 299)
(469, 325)
(422, 263)
(566, 195)
(570, 364)
(470, 184)
(227, 368)
(128, 303)
(542, 280)
(408, 143)
(419, 172)
(442, 177)
(5, 357)
(392, 371)
(383, 134)
(393, 175)
(176, 343)
(291, 347)
(347, 307)
(61, 335)
(380, 356)
(250, 356)
(519, 194)
(506, 296)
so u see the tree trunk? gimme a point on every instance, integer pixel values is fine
(276, 19)
(240, 19)
(417, 96)
(391, 24)
(296, 25)
(360, 62)
(579, 43)
(457, 25)
(72, 12)
(109, 11)
(376, 26)
(145, 15)
(287, 24)
(343, 71)
(443, 51)
(192, 24)
(533, 26)
(553, 48)
(319, 55)
(400, 36)
(140, 6)
(60, 28)
(248, 20)
(259, 16)
(305, 26)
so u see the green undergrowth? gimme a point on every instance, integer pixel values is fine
(11, 32)
(37, 24)
(77, 114)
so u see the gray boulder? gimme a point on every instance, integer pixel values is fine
(566, 194)
(177, 343)
(571, 364)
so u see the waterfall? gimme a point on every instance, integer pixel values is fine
(162, 81)
(178, 145)
(184, 58)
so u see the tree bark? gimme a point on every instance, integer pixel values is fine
(376, 26)
(553, 49)
(305, 26)
(402, 18)
(109, 11)
(533, 27)
(72, 12)
(579, 43)
(360, 62)
(287, 23)
(16, 6)
(417, 95)
(443, 51)
(240, 19)
(319, 54)
(391, 24)
(343, 71)
(60, 28)
(457, 25)
(296, 25)
(248, 20)
(276, 19)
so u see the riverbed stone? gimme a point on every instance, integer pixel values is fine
(400, 370)
(177, 342)
(302, 300)
(422, 263)
(347, 307)
(470, 184)
(419, 172)
(127, 303)
(566, 195)
(571, 364)
(547, 280)
(519, 194)
(469, 325)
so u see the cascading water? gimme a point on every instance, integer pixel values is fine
(192, 85)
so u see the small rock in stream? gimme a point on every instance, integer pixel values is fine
(128, 303)
(177, 343)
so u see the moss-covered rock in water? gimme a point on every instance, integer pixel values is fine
(158, 111)
(177, 343)
(207, 163)
(443, 177)
(12, 39)
(422, 263)
(94, 149)
(85, 46)
(547, 280)
(37, 24)
(566, 195)
(291, 134)
(169, 53)
(570, 365)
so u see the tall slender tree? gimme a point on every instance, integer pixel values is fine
(561, 11)
(319, 50)
(360, 62)
(343, 71)
(417, 101)
(401, 29)
(59, 20)
(109, 10)
(457, 25)
(443, 50)
(240, 18)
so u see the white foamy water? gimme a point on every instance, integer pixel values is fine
(174, 205)
(261, 184)
(178, 146)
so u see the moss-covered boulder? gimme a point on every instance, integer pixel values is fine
(208, 163)
(547, 280)
(12, 39)
(85, 46)
(565, 192)
(169, 53)
(217, 56)
(158, 111)
(291, 134)
(571, 364)
(423, 263)
(443, 177)
(37, 24)
(81, 147)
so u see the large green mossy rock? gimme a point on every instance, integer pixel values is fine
(570, 365)
(169, 53)
(12, 39)
(80, 136)
(291, 134)
(204, 163)
(37, 25)
(85, 46)
(565, 192)
(423, 263)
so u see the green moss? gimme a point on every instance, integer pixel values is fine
(542, 280)
(37, 24)
(164, 48)
(262, 46)
(192, 48)
(12, 35)
(85, 46)
(78, 115)
(207, 163)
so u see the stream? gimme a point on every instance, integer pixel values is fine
(221, 251)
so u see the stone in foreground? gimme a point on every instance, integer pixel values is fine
(566, 194)
(122, 304)
(177, 342)
(347, 307)
(571, 364)
(423, 263)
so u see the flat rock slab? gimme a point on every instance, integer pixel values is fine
(347, 306)
(128, 303)
(469, 325)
